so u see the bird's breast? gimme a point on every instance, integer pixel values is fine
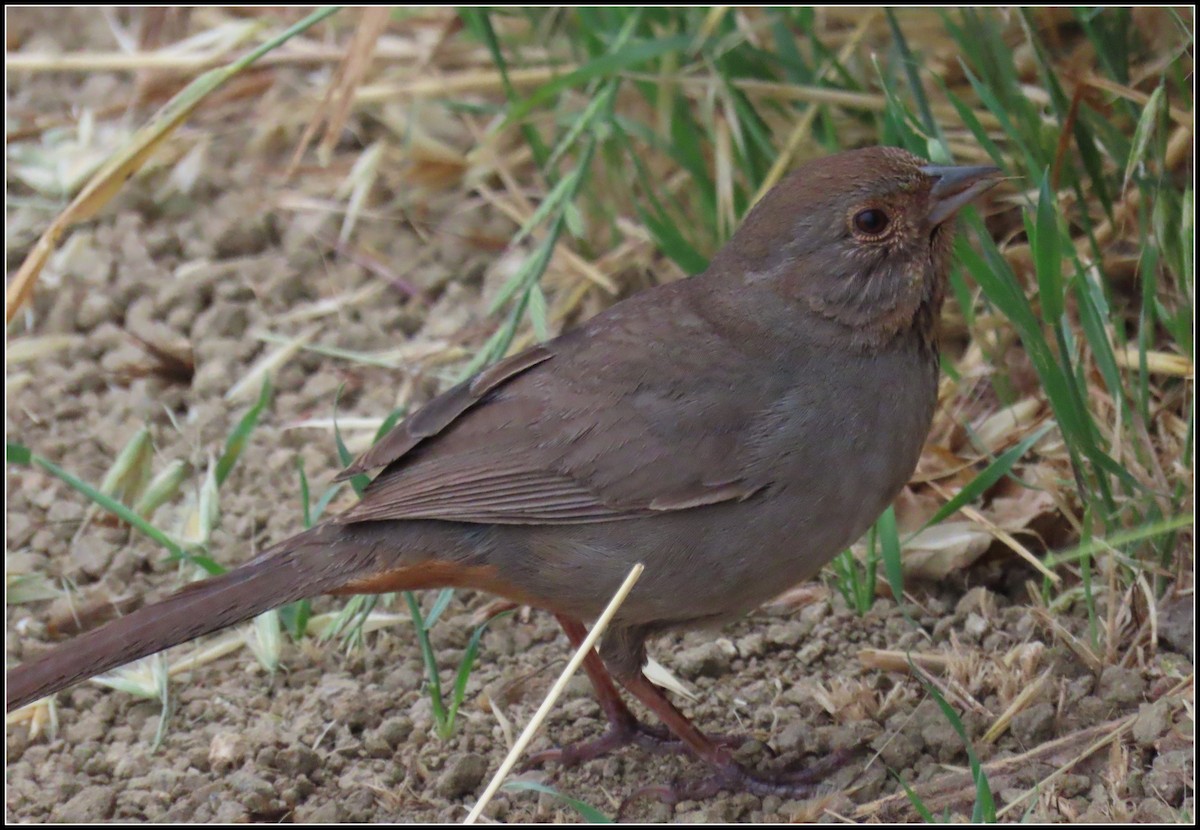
(838, 449)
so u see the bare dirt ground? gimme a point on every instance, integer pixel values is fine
(339, 735)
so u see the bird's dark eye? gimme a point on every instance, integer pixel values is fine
(871, 221)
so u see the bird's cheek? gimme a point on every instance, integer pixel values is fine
(914, 275)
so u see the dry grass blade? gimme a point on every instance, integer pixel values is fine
(458, 83)
(41, 715)
(375, 621)
(577, 263)
(1089, 657)
(1117, 731)
(174, 59)
(267, 365)
(1027, 694)
(335, 106)
(1182, 117)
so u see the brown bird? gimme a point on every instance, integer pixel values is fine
(733, 432)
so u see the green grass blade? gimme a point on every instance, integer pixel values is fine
(305, 505)
(586, 811)
(241, 433)
(18, 454)
(440, 716)
(1046, 243)
(916, 801)
(479, 22)
(162, 488)
(360, 481)
(439, 605)
(465, 666)
(1120, 539)
(909, 61)
(889, 542)
(389, 422)
(323, 502)
(985, 805)
(998, 468)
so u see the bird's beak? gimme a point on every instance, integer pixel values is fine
(955, 187)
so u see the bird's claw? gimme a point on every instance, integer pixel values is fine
(798, 783)
(656, 739)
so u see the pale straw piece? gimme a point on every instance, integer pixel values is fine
(555, 691)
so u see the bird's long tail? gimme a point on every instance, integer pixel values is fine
(306, 565)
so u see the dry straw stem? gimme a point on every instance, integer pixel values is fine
(335, 106)
(488, 81)
(1085, 654)
(1157, 363)
(25, 349)
(1149, 626)
(519, 209)
(266, 366)
(520, 214)
(1181, 117)
(847, 99)
(42, 715)
(249, 86)
(556, 690)
(899, 661)
(169, 59)
(1022, 700)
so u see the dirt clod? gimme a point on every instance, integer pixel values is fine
(1177, 625)
(226, 750)
(462, 775)
(395, 731)
(1033, 725)
(1120, 685)
(297, 760)
(1153, 720)
(327, 812)
(706, 660)
(1171, 775)
(88, 805)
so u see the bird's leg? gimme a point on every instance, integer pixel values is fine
(623, 726)
(727, 773)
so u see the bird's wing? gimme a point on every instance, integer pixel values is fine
(531, 441)
(440, 412)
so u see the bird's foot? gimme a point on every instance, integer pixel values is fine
(623, 733)
(798, 783)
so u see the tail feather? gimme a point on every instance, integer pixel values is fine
(300, 567)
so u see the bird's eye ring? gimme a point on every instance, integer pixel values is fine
(871, 222)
